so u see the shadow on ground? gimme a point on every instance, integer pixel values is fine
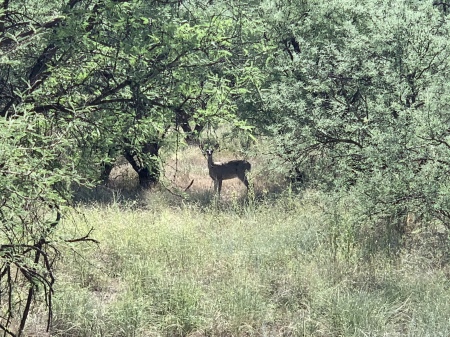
(139, 198)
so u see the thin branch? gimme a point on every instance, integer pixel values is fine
(331, 139)
(5, 329)
(6, 42)
(84, 238)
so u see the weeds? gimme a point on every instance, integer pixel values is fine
(295, 265)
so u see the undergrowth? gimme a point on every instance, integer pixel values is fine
(283, 267)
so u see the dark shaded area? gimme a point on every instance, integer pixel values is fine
(128, 193)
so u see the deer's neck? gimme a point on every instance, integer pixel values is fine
(210, 161)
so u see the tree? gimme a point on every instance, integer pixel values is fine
(35, 194)
(133, 71)
(357, 99)
(83, 82)
(80, 84)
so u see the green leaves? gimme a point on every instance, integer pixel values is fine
(35, 180)
(351, 99)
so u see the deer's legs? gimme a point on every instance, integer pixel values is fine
(244, 180)
(219, 183)
(217, 186)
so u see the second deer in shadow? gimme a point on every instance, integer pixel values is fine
(228, 170)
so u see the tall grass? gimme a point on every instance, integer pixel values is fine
(269, 268)
(273, 264)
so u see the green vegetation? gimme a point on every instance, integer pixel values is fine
(107, 223)
(279, 268)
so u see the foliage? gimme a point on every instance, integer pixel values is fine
(82, 82)
(358, 100)
(34, 188)
(132, 71)
(351, 94)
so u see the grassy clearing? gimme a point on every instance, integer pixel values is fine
(188, 165)
(284, 266)
(265, 270)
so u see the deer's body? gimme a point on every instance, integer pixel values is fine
(228, 170)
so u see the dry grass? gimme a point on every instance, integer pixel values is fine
(189, 165)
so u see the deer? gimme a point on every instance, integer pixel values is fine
(228, 170)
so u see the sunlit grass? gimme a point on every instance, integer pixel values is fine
(190, 269)
(289, 265)
(265, 271)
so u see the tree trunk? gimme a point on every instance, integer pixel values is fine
(148, 171)
(183, 121)
(106, 171)
(147, 177)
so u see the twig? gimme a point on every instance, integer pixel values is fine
(84, 238)
(189, 185)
